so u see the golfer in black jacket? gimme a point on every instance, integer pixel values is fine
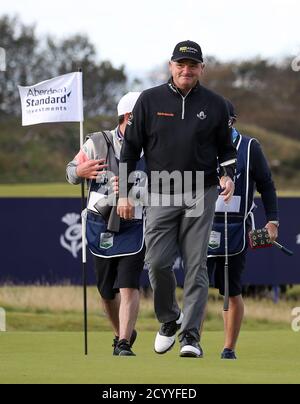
(182, 128)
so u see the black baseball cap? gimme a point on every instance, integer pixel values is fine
(187, 50)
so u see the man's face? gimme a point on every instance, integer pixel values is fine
(186, 73)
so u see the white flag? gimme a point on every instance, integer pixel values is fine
(56, 100)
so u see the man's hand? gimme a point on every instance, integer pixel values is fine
(125, 209)
(91, 169)
(272, 230)
(227, 184)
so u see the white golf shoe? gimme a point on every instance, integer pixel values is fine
(165, 338)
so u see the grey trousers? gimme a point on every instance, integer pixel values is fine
(168, 234)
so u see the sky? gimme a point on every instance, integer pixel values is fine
(142, 34)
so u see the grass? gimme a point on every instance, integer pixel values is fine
(20, 321)
(271, 357)
(44, 343)
(59, 308)
(57, 190)
(276, 145)
(64, 190)
(46, 190)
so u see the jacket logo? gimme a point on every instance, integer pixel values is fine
(165, 114)
(130, 121)
(202, 116)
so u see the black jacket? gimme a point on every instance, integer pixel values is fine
(261, 174)
(180, 133)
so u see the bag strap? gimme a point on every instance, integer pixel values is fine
(109, 139)
(104, 146)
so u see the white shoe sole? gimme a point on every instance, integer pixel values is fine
(190, 352)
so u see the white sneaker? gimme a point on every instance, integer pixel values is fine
(165, 338)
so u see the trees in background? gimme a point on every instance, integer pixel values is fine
(265, 93)
(30, 60)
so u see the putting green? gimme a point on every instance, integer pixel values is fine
(264, 357)
(63, 189)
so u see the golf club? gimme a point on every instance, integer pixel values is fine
(226, 269)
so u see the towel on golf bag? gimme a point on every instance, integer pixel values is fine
(259, 238)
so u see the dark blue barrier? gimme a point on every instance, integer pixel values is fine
(40, 241)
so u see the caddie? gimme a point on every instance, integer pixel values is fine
(253, 173)
(117, 245)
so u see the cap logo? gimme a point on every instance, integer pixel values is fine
(188, 49)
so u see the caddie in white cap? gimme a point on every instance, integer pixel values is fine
(127, 103)
(117, 246)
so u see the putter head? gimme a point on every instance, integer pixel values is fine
(259, 238)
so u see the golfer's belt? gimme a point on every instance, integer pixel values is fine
(260, 238)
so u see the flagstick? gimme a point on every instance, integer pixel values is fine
(77, 116)
(83, 221)
(83, 237)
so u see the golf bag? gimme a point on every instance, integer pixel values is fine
(106, 234)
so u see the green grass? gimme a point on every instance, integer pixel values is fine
(271, 357)
(59, 309)
(44, 342)
(54, 190)
(20, 321)
(47, 190)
